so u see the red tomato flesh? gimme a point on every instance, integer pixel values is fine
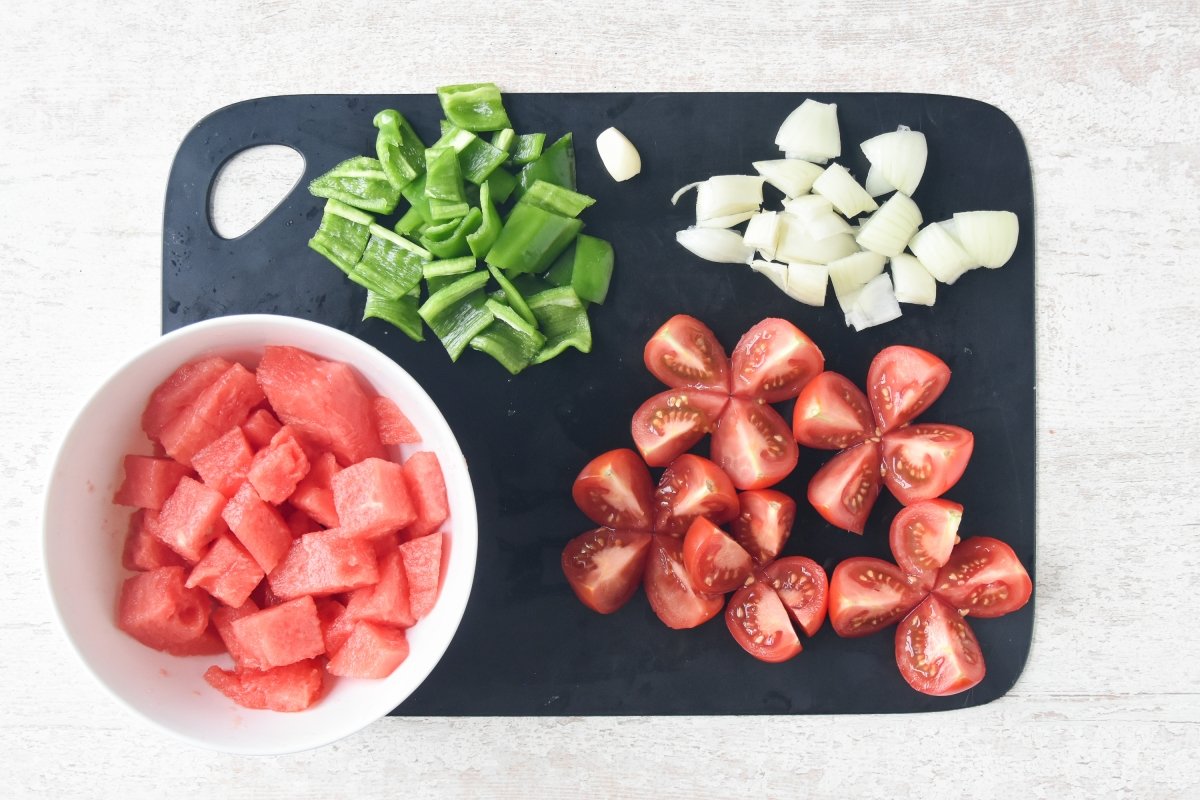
(922, 536)
(921, 462)
(691, 487)
(869, 594)
(802, 586)
(605, 567)
(903, 382)
(845, 490)
(937, 651)
(670, 590)
(684, 352)
(984, 578)
(670, 423)
(614, 490)
(764, 523)
(760, 623)
(753, 445)
(831, 414)
(714, 561)
(773, 361)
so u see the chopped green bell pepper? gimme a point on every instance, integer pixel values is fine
(359, 182)
(343, 234)
(458, 313)
(449, 266)
(448, 210)
(411, 224)
(452, 242)
(527, 148)
(512, 296)
(401, 312)
(391, 265)
(529, 285)
(556, 199)
(531, 239)
(563, 320)
(474, 106)
(482, 239)
(556, 165)
(509, 339)
(476, 158)
(401, 152)
(443, 178)
(502, 183)
(586, 267)
(503, 140)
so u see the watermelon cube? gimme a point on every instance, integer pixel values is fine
(294, 687)
(314, 494)
(223, 463)
(284, 634)
(206, 644)
(300, 523)
(323, 401)
(260, 428)
(227, 572)
(143, 550)
(258, 526)
(278, 467)
(190, 519)
(224, 404)
(394, 427)
(372, 651)
(324, 563)
(336, 624)
(372, 498)
(387, 601)
(179, 391)
(158, 609)
(422, 559)
(222, 621)
(148, 481)
(427, 487)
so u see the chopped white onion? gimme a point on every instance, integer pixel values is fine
(839, 186)
(912, 281)
(682, 190)
(777, 273)
(806, 283)
(762, 233)
(822, 226)
(726, 221)
(811, 132)
(716, 244)
(792, 176)
(795, 245)
(618, 154)
(941, 253)
(989, 237)
(875, 183)
(889, 229)
(899, 156)
(725, 195)
(874, 305)
(807, 206)
(851, 273)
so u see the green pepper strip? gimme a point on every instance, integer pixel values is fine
(458, 313)
(359, 182)
(411, 223)
(556, 165)
(414, 193)
(586, 267)
(343, 234)
(503, 140)
(531, 239)
(476, 158)
(512, 296)
(455, 244)
(400, 150)
(449, 266)
(502, 183)
(529, 285)
(482, 239)
(556, 199)
(443, 178)
(527, 148)
(401, 312)
(510, 339)
(446, 210)
(474, 106)
(391, 265)
(563, 320)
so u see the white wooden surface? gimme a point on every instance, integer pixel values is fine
(96, 96)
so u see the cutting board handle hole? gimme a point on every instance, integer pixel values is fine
(250, 186)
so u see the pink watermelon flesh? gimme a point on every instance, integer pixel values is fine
(314, 494)
(258, 526)
(143, 550)
(260, 428)
(323, 400)
(371, 498)
(427, 487)
(207, 644)
(335, 624)
(422, 560)
(294, 687)
(148, 481)
(158, 609)
(222, 620)
(226, 403)
(179, 391)
(223, 463)
(300, 523)
(372, 651)
(227, 572)
(278, 467)
(324, 563)
(190, 519)
(394, 427)
(387, 601)
(275, 637)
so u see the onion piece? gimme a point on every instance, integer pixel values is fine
(875, 183)
(889, 229)
(989, 237)
(874, 305)
(912, 282)
(762, 233)
(807, 206)
(716, 244)
(808, 283)
(682, 190)
(811, 132)
(852, 273)
(899, 156)
(727, 221)
(795, 245)
(725, 195)
(822, 226)
(941, 253)
(618, 154)
(837, 184)
(792, 176)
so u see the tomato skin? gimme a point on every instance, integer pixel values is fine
(684, 352)
(760, 623)
(671, 422)
(831, 414)
(669, 589)
(614, 490)
(715, 562)
(773, 361)
(922, 462)
(605, 567)
(937, 651)
(902, 382)
(691, 487)
(984, 578)
(764, 523)
(803, 587)
(845, 489)
(867, 595)
(922, 537)
(753, 445)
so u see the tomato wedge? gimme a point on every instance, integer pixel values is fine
(764, 523)
(685, 352)
(760, 623)
(867, 595)
(903, 382)
(714, 562)
(984, 578)
(845, 490)
(691, 487)
(773, 361)
(802, 586)
(614, 490)
(605, 567)
(937, 651)
(922, 537)
(831, 414)
(920, 462)
(669, 423)
(753, 445)
(670, 590)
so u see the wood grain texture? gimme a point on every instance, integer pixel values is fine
(98, 95)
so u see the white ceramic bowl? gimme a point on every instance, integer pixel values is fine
(84, 534)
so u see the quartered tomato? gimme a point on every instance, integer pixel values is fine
(831, 414)
(764, 523)
(753, 445)
(670, 423)
(845, 489)
(714, 561)
(760, 623)
(984, 578)
(670, 591)
(691, 487)
(869, 594)
(921, 462)
(684, 352)
(802, 586)
(615, 490)
(937, 651)
(605, 567)
(773, 361)
(903, 382)
(922, 536)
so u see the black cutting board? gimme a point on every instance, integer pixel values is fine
(526, 645)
